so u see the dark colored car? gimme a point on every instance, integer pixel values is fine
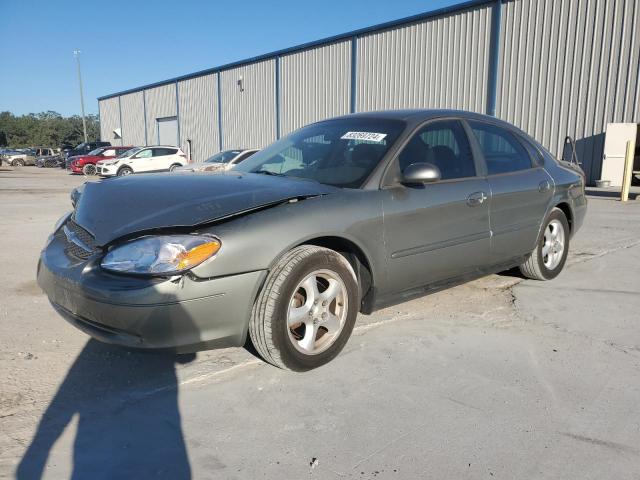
(85, 147)
(49, 161)
(343, 216)
(86, 164)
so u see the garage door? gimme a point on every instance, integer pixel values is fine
(167, 129)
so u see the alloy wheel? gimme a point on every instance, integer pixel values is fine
(317, 312)
(553, 244)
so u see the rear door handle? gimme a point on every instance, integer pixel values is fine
(476, 198)
(544, 186)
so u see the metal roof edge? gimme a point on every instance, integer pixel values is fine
(315, 43)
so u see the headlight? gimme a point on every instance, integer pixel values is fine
(162, 255)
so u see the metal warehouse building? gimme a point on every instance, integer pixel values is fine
(551, 67)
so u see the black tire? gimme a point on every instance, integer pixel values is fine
(124, 171)
(89, 169)
(268, 325)
(174, 166)
(535, 267)
(18, 163)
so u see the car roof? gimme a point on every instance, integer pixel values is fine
(418, 115)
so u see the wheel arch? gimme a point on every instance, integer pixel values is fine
(568, 212)
(358, 259)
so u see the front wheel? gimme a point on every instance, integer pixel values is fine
(549, 256)
(18, 163)
(89, 169)
(306, 310)
(124, 171)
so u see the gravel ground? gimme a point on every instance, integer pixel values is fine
(496, 378)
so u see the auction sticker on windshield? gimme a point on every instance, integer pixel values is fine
(370, 136)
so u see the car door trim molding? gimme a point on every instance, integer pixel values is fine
(452, 242)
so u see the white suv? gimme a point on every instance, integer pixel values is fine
(143, 160)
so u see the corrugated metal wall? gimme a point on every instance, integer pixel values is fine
(132, 107)
(248, 110)
(198, 98)
(161, 103)
(568, 68)
(564, 67)
(442, 62)
(314, 84)
(109, 119)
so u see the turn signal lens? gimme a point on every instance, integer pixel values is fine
(198, 254)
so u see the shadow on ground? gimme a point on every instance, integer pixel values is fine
(119, 434)
(609, 193)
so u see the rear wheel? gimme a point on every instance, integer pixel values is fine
(89, 169)
(174, 166)
(550, 254)
(124, 171)
(306, 310)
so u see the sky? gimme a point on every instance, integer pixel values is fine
(126, 44)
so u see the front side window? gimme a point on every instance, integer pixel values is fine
(243, 157)
(444, 144)
(500, 148)
(130, 152)
(341, 152)
(144, 154)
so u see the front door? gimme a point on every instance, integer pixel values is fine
(440, 230)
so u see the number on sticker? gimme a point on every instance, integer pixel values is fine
(369, 136)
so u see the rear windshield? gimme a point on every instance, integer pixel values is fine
(341, 152)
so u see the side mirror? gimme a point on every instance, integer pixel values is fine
(420, 173)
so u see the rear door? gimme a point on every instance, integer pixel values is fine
(163, 158)
(521, 190)
(440, 230)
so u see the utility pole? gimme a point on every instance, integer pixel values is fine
(76, 53)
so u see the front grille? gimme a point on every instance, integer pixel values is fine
(79, 243)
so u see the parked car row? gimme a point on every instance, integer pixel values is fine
(107, 160)
(26, 156)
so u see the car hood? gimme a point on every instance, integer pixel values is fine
(118, 207)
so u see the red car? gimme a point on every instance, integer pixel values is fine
(87, 163)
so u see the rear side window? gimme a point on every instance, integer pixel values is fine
(443, 144)
(502, 151)
(160, 152)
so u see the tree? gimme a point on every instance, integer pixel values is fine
(48, 129)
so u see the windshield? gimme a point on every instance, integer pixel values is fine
(342, 152)
(80, 146)
(223, 157)
(97, 151)
(128, 153)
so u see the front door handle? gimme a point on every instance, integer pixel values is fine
(544, 186)
(476, 198)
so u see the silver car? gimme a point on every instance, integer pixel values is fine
(29, 156)
(221, 161)
(343, 216)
